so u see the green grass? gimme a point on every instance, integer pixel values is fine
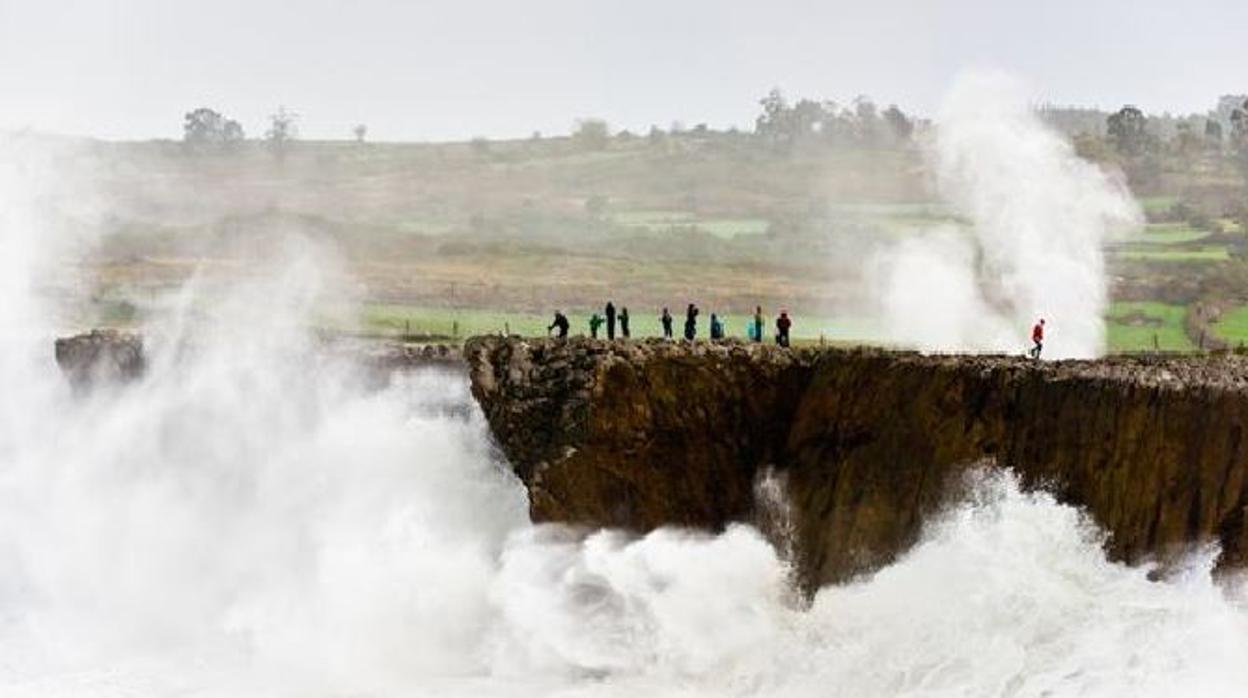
(1204, 253)
(659, 221)
(651, 219)
(1131, 326)
(1233, 325)
(1171, 234)
(1163, 324)
(393, 319)
(1158, 204)
(732, 227)
(925, 210)
(399, 319)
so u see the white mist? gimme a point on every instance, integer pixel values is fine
(1037, 220)
(248, 520)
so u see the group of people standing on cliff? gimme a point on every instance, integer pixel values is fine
(611, 319)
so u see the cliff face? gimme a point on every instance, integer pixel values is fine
(644, 434)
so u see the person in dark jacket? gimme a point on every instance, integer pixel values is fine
(624, 322)
(783, 324)
(560, 323)
(666, 320)
(717, 327)
(610, 312)
(691, 322)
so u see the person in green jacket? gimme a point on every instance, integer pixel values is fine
(595, 321)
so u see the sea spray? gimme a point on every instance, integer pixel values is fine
(249, 519)
(1036, 219)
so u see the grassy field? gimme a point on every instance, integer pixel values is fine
(1233, 325)
(516, 229)
(1153, 205)
(393, 319)
(1143, 326)
(1171, 234)
(1163, 253)
(1131, 326)
(664, 221)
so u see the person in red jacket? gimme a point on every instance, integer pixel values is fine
(1037, 337)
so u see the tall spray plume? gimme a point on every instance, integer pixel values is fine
(1034, 220)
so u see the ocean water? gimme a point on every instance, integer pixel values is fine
(248, 520)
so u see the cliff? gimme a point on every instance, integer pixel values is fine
(868, 442)
(107, 356)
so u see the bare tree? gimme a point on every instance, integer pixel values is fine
(283, 130)
(360, 131)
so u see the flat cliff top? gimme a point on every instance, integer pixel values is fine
(1168, 371)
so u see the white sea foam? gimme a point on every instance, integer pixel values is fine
(247, 520)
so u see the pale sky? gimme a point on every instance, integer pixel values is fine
(453, 70)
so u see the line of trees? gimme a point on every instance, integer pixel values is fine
(784, 126)
(206, 130)
(1130, 133)
(808, 122)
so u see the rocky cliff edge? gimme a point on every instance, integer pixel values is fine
(867, 442)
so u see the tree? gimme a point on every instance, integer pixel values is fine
(1239, 125)
(1126, 128)
(591, 134)
(1239, 136)
(898, 123)
(232, 134)
(206, 130)
(360, 131)
(656, 138)
(1213, 134)
(283, 130)
(1186, 142)
(867, 120)
(774, 110)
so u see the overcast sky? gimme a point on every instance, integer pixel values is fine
(463, 68)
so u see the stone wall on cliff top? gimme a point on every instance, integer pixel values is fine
(869, 442)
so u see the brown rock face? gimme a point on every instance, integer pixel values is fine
(100, 356)
(645, 434)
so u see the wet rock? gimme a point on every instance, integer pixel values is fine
(101, 357)
(869, 442)
(111, 356)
